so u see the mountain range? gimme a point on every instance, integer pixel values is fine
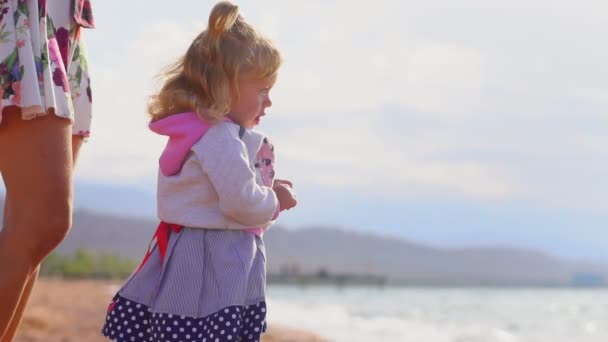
(338, 251)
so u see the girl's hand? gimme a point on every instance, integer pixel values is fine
(283, 181)
(286, 196)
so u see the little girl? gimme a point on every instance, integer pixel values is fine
(203, 276)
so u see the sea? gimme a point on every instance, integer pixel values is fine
(436, 314)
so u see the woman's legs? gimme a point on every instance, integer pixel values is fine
(27, 291)
(20, 309)
(36, 164)
(12, 328)
(76, 145)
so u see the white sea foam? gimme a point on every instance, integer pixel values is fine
(443, 315)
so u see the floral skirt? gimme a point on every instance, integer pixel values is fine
(43, 62)
(193, 285)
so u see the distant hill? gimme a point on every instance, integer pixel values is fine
(347, 252)
(314, 249)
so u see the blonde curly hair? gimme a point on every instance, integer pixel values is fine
(204, 80)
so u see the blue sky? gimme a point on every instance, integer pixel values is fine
(450, 123)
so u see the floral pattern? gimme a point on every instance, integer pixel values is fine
(43, 61)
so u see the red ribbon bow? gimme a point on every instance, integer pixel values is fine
(162, 240)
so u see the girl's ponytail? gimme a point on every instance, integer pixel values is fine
(222, 18)
(205, 79)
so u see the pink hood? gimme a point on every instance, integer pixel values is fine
(183, 131)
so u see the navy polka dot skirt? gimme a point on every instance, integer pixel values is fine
(194, 285)
(131, 321)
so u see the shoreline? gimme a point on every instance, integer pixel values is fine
(62, 310)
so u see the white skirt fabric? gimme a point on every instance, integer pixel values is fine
(43, 62)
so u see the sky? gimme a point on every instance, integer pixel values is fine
(450, 123)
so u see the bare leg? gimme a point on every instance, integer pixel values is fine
(14, 324)
(76, 145)
(18, 316)
(36, 164)
(27, 291)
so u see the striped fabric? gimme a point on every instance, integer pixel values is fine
(204, 271)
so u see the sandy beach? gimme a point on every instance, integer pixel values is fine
(73, 310)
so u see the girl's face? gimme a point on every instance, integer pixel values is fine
(254, 98)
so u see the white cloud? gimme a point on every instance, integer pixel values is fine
(448, 60)
(482, 95)
(441, 79)
(353, 154)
